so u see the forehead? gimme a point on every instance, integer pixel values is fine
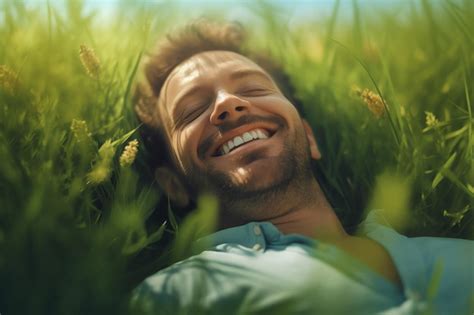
(204, 68)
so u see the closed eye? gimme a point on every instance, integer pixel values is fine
(254, 92)
(191, 114)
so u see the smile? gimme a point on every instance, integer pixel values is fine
(248, 136)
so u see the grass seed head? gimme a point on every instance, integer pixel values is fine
(129, 153)
(89, 61)
(374, 102)
(80, 130)
(8, 79)
(99, 174)
(431, 120)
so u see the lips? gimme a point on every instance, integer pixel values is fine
(213, 145)
(240, 136)
(237, 141)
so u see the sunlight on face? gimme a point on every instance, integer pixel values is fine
(240, 176)
(219, 96)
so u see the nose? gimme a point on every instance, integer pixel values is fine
(228, 107)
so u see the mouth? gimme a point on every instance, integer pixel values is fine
(241, 139)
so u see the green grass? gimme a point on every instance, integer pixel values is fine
(77, 230)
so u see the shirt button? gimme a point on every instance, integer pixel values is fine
(257, 247)
(257, 230)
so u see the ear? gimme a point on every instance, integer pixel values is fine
(171, 184)
(313, 146)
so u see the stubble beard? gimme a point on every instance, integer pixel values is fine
(246, 202)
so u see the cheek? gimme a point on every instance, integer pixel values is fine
(279, 105)
(185, 144)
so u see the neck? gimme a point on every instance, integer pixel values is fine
(295, 213)
(312, 217)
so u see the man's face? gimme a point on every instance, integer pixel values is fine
(231, 129)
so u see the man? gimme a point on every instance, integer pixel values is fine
(227, 121)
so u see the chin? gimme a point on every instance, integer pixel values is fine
(255, 179)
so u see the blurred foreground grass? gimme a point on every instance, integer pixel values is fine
(388, 94)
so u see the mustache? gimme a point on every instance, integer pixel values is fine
(207, 143)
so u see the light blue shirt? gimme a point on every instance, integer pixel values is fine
(255, 269)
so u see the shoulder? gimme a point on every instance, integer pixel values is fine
(436, 270)
(450, 270)
(201, 284)
(452, 258)
(172, 288)
(444, 247)
(430, 249)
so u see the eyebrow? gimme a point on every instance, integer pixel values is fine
(248, 72)
(236, 75)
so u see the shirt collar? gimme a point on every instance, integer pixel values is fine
(255, 235)
(375, 226)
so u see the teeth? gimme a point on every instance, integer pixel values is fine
(261, 135)
(225, 148)
(239, 140)
(247, 137)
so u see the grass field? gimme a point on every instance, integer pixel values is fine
(388, 90)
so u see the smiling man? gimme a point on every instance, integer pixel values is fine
(234, 133)
(221, 119)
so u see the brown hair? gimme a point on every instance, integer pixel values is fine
(194, 38)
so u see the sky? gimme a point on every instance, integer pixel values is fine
(292, 11)
(300, 9)
(295, 9)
